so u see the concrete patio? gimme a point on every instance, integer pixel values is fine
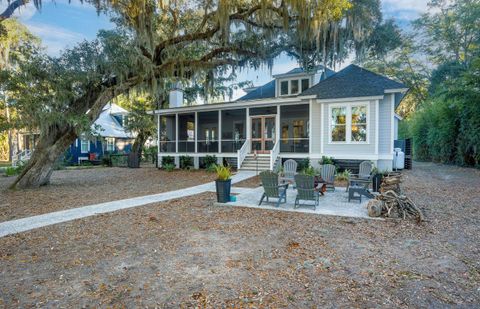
(332, 203)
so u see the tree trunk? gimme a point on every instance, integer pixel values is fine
(136, 153)
(49, 148)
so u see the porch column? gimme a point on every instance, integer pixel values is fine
(310, 121)
(248, 129)
(176, 133)
(277, 125)
(196, 131)
(219, 131)
(377, 105)
(322, 130)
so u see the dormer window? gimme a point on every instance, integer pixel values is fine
(284, 87)
(305, 84)
(294, 86)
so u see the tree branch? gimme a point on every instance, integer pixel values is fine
(12, 6)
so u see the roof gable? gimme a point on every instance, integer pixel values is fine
(353, 81)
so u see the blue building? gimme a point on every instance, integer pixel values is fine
(110, 137)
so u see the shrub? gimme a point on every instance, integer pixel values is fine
(223, 172)
(169, 167)
(325, 160)
(209, 160)
(15, 170)
(168, 160)
(212, 168)
(343, 175)
(303, 164)
(186, 162)
(107, 160)
(310, 171)
(119, 160)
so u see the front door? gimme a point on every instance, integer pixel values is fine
(263, 133)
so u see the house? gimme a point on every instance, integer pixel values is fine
(109, 134)
(347, 115)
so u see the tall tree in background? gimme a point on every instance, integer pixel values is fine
(160, 42)
(13, 42)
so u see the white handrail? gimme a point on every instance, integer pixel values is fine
(242, 153)
(21, 156)
(274, 154)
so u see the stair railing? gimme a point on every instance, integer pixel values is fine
(242, 153)
(274, 154)
(21, 156)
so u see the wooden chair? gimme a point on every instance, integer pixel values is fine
(306, 190)
(327, 172)
(289, 170)
(272, 189)
(364, 176)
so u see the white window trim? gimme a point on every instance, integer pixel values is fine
(289, 81)
(348, 124)
(108, 139)
(88, 145)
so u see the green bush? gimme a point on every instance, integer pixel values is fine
(15, 170)
(168, 160)
(303, 164)
(119, 160)
(212, 168)
(169, 167)
(343, 175)
(325, 160)
(209, 160)
(186, 162)
(106, 160)
(310, 171)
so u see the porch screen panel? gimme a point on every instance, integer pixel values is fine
(167, 133)
(233, 129)
(207, 136)
(186, 133)
(294, 128)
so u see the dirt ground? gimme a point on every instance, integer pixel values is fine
(75, 188)
(189, 253)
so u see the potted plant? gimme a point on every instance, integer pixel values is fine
(377, 177)
(223, 183)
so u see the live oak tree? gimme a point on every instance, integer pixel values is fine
(157, 43)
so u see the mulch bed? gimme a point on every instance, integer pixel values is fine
(188, 253)
(75, 188)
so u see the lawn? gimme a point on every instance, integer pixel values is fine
(81, 187)
(189, 253)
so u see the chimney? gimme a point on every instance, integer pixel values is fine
(175, 97)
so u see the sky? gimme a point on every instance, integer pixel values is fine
(61, 24)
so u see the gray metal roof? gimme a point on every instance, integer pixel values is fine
(353, 81)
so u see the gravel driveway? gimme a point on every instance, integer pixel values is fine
(189, 253)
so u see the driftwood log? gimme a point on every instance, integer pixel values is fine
(392, 203)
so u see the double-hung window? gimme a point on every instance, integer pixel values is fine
(349, 123)
(84, 145)
(110, 144)
(294, 86)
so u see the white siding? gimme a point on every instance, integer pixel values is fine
(385, 126)
(315, 135)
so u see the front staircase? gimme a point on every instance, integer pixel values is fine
(250, 163)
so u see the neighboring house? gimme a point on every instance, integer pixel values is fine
(110, 137)
(348, 115)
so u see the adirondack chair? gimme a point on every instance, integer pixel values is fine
(306, 190)
(289, 170)
(272, 188)
(364, 176)
(327, 172)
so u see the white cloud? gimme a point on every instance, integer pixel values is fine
(54, 38)
(419, 6)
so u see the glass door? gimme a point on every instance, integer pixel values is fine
(263, 133)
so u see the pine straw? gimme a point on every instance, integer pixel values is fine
(189, 253)
(75, 188)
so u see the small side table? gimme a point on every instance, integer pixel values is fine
(356, 189)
